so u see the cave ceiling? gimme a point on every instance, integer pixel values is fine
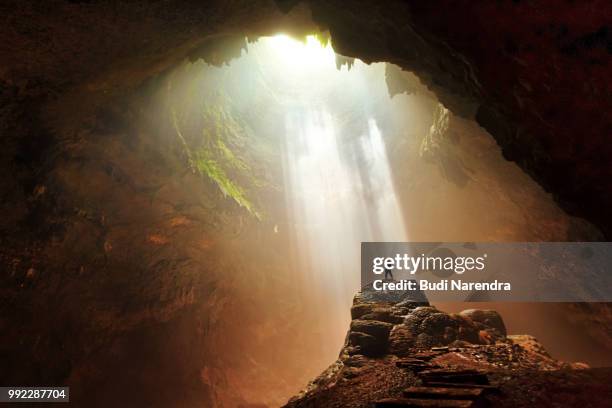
(536, 77)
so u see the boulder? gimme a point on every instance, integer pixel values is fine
(432, 327)
(421, 312)
(381, 314)
(406, 306)
(424, 341)
(466, 329)
(380, 330)
(360, 309)
(401, 341)
(439, 325)
(490, 319)
(367, 345)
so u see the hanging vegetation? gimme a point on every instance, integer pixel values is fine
(212, 138)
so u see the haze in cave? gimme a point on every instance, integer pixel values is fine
(313, 149)
(325, 121)
(186, 186)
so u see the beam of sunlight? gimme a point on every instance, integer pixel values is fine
(338, 183)
(309, 144)
(329, 126)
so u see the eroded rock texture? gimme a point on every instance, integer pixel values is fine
(427, 354)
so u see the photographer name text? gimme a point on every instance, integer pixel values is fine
(443, 285)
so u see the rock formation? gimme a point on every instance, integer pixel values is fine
(407, 353)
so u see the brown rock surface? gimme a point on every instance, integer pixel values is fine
(421, 368)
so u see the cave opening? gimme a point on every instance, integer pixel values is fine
(294, 150)
(302, 154)
(296, 139)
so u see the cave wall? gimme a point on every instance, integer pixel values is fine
(537, 74)
(115, 255)
(108, 251)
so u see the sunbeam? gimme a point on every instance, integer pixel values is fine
(339, 189)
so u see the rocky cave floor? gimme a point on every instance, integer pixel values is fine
(408, 353)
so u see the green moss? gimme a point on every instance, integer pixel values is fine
(216, 151)
(211, 168)
(323, 37)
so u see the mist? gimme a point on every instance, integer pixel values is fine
(311, 156)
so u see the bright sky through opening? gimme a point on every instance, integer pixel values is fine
(302, 57)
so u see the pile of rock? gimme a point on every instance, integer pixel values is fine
(402, 352)
(382, 327)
